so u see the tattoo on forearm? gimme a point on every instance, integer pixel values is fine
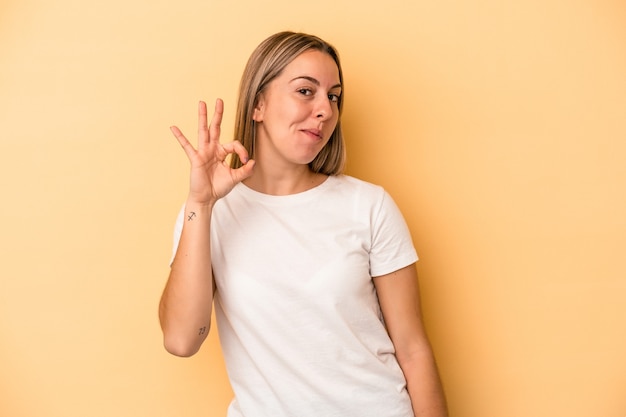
(202, 331)
(191, 216)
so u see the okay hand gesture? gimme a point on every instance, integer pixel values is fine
(211, 177)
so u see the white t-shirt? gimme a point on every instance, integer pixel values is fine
(297, 312)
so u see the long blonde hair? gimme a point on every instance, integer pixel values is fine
(266, 63)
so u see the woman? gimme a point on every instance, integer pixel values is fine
(312, 272)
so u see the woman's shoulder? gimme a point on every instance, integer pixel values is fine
(350, 182)
(352, 187)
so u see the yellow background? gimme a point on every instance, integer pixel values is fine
(498, 126)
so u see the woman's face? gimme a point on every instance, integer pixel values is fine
(298, 111)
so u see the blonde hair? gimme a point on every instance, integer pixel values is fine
(266, 63)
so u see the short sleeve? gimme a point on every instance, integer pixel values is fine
(392, 247)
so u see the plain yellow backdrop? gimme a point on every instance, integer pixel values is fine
(498, 126)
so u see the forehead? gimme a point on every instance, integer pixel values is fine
(313, 63)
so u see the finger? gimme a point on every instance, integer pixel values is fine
(182, 140)
(216, 121)
(203, 130)
(239, 149)
(243, 172)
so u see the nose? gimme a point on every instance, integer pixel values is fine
(324, 109)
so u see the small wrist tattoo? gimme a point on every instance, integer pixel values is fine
(191, 216)
(202, 331)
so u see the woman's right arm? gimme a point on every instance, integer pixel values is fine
(186, 303)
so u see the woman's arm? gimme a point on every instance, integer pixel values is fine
(187, 300)
(398, 294)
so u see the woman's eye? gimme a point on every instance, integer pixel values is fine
(333, 98)
(305, 91)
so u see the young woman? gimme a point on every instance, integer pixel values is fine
(312, 272)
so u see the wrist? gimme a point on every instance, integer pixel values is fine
(199, 206)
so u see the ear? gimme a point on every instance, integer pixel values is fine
(259, 109)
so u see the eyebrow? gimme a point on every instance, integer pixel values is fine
(314, 81)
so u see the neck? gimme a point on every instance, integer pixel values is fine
(283, 182)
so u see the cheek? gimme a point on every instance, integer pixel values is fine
(333, 124)
(290, 111)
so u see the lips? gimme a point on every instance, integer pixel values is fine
(313, 132)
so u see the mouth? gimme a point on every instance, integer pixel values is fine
(316, 133)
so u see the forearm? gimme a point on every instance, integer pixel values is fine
(424, 384)
(186, 303)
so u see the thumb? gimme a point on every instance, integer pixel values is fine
(244, 171)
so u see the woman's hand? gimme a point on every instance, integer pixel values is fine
(211, 176)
